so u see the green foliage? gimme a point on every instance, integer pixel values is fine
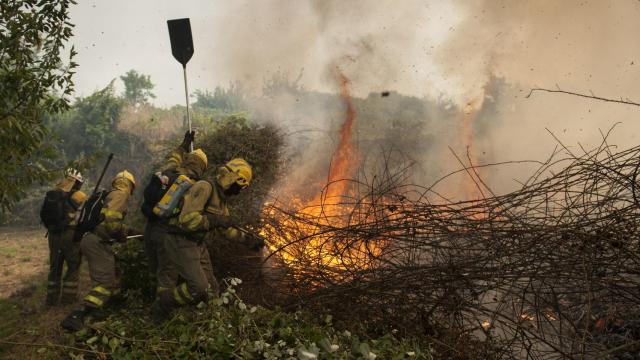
(228, 99)
(137, 88)
(91, 126)
(132, 265)
(280, 83)
(227, 328)
(34, 82)
(261, 145)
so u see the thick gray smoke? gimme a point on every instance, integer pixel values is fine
(446, 53)
(449, 52)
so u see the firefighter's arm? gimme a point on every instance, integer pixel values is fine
(77, 199)
(250, 240)
(174, 161)
(114, 212)
(113, 224)
(177, 155)
(213, 221)
(192, 216)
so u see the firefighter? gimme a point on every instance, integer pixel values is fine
(58, 214)
(97, 247)
(203, 217)
(181, 162)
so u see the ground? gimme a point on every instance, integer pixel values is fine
(23, 274)
(23, 256)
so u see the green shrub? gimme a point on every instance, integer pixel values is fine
(227, 328)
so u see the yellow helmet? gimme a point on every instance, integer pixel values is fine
(200, 154)
(126, 175)
(242, 169)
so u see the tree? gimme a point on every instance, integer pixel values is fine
(226, 99)
(91, 126)
(137, 88)
(35, 82)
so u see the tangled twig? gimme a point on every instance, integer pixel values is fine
(550, 270)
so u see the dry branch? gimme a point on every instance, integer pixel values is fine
(551, 270)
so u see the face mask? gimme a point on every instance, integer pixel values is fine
(234, 189)
(77, 185)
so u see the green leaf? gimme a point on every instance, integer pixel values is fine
(113, 344)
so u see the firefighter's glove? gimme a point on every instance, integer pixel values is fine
(218, 221)
(132, 231)
(189, 136)
(253, 242)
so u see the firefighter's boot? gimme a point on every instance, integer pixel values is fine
(69, 292)
(162, 307)
(75, 320)
(52, 297)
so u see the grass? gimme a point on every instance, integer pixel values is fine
(25, 320)
(10, 252)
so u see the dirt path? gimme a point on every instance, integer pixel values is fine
(24, 255)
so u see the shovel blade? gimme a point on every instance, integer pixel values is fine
(181, 41)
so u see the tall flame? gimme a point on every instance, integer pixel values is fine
(325, 208)
(469, 115)
(345, 159)
(472, 185)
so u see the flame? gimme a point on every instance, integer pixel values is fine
(469, 115)
(472, 186)
(345, 159)
(327, 209)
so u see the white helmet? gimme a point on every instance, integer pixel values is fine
(74, 174)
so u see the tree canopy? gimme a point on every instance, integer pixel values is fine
(36, 77)
(137, 87)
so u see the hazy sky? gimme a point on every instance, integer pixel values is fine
(115, 36)
(437, 49)
(432, 48)
(249, 40)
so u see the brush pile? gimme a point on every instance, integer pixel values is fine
(551, 270)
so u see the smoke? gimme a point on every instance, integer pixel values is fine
(446, 53)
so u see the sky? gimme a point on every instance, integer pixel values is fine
(247, 41)
(446, 50)
(423, 48)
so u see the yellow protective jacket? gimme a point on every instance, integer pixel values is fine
(205, 210)
(114, 212)
(175, 159)
(184, 163)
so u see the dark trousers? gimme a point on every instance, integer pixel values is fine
(161, 264)
(63, 250)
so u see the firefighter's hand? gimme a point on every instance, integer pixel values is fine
(189, 136)
(253, 242)
(218, 221)
(164, 179)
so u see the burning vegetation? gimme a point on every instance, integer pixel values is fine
(547, 271)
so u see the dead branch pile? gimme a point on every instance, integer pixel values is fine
(549, 271)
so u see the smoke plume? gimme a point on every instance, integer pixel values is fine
(447, 54)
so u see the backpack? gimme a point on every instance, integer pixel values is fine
(171, 202)
(54, 212)
(91, 214)
(154, 192)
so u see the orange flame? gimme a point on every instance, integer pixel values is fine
(469, 115)
(345, 159)
(344, 164)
